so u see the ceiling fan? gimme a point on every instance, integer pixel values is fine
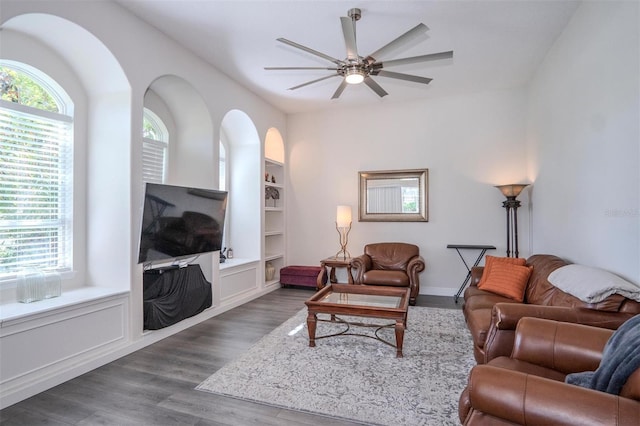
(356, 69)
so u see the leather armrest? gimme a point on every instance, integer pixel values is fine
(526, 399)
(561, 346)
(415, 265)
(476, 274)
(505, 317)
(361, 264)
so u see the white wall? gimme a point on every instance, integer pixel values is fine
(468, 143)
(583, 141)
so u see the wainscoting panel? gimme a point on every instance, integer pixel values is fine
(237, 281)
(34, 351)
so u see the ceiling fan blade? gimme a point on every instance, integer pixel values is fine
(349, 31)
(375, 86)
(312, 81)
(407, 77)
(394, 44)
(309, 50)
(339, 90)
(412, 60)
(300, 68)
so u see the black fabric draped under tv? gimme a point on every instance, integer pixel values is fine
(172, 295)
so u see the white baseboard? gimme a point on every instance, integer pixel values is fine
(439, 291)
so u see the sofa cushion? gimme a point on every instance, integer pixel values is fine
(592, 285)
(527, 367)
(480, 299)
(386, 277)
(506, 279)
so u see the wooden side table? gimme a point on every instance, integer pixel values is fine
(333, 263)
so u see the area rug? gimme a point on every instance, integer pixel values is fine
(357, 378)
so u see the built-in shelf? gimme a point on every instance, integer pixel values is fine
(273, 256)
(275, 185)
(274, 219)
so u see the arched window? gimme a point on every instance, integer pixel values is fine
(36, 172)
(155, 144)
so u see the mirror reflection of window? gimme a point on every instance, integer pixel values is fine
(393, 195)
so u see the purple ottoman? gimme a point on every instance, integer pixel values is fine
(305, 276)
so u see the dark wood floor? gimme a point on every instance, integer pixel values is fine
(155, 385)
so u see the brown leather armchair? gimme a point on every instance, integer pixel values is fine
(390, 264)
(528, 387)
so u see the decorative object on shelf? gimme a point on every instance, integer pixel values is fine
(343, 226)
(273, 179)
(223, 258)
(229, 253)
(266, 177)
(269, 271)
(273, 193)
(511, 204)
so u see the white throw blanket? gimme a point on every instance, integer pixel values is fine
(592, 285)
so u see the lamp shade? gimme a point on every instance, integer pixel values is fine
(343, 216)
(512, 190)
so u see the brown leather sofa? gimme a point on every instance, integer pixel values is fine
(528, 387)
(390, 264)
(492, 318)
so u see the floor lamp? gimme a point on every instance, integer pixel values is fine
(343, 226)
(511, 204)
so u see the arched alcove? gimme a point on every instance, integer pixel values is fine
(243, 159)
(274, 145)
(192, 154)
(192, 151)
(102, 137)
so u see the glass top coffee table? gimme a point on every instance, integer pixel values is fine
(387, 303)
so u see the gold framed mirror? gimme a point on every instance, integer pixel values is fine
(394, 196)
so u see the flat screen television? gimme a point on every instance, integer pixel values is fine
(180, 221)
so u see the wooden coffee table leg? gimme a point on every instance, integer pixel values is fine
(311, 325)
(399, 338)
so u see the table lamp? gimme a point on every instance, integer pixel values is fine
(343, 226)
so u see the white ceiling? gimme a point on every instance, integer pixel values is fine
(496, 44)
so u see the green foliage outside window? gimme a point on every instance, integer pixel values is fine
(148, 130)
(18, 87)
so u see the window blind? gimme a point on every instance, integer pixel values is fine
(36, 170)
(153, 158)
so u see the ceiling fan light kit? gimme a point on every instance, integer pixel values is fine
(355, 69)
(354, 75)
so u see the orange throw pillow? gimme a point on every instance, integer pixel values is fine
(489, 261)
(506, 280)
